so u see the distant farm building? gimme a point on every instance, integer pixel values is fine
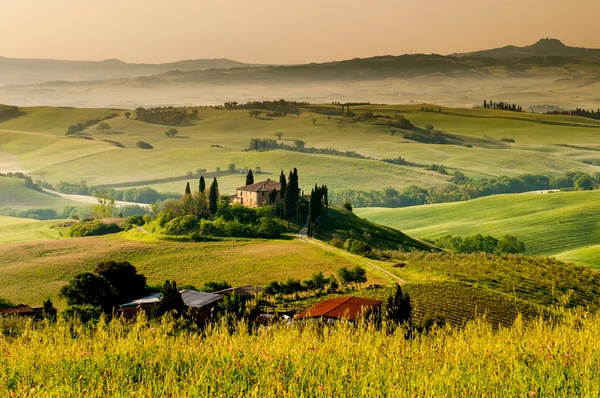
(200, 303)
(258, 194)
(333, 310)
(20, 310)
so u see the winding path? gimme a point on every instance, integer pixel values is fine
(304, 237)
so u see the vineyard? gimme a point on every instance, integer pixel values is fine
(459, 303)
(541, 281)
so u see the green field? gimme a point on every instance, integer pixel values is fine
(14, 194)
(33, 272)
(36, 143)
(14, 230)
(565, 224)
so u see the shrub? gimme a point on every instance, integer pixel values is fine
(214, 286)
(85, 313)
(356, 246)
(94, 228)
(181, 225)
(144, 145)
(348, 206)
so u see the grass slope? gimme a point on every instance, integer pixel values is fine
(14, 194)
(14, 230)
(549, 224)
(343, 224)
(35, 142)
(33, 272)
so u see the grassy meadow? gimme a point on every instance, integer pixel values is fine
(14, 230)
(36, 143)
(14, 194)
(33, 272)
(536, 360)
(564, 224)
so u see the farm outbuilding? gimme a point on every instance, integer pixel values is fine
(200, 303)
(347, 308)
(21, 310)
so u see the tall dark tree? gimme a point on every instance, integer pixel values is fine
(213, 197)
(49, 311)
(202, 185)
(283, 182)
(273, 197)
(124, 278)
(399, 309)
(188, 191)
(91, 289)
(249, 178)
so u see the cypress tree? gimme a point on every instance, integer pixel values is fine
(283, 183)
(249, 178)
(187, 189)
(202, 185)
(213, 196)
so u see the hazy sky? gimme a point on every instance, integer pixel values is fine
(284, 31)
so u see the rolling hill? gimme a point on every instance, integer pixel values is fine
(565, 225)
(543, 48)
(15, 195)
(16, 71)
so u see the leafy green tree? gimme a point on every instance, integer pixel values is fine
(249, 178)
(171, 132)
(279, 135)
(213, 197)
(202, 185)
(429, 128)
(188, 190)
(124, 278)
(345, 276)
(103, 126)
(105, 206)
(90, 289)
(127, 114)
(84, 312)
(510, 245)
(584, 183)
(231, 168)
(347, 205)
(6, 303)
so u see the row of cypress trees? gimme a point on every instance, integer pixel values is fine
(213, 193)
(318, 205)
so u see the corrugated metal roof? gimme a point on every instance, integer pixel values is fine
(194, 298)
(191, 298)
(153, 298)
(343, 307)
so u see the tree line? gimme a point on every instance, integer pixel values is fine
(8, 112)
(79, 127)
(578, 112)
(266, 144)
(137, 195)
(282, 107)
(165, 115)
(464, 188)
(478, 243)
(505, 106)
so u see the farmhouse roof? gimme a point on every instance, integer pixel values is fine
(343, 307)
(18, 310)
(264, 186)
(242, 290)
(191, 298)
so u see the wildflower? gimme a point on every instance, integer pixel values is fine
(32, 390)
(532, 394)
(321, 388)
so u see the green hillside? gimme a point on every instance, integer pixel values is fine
(565, 224)
(14, 230)
(544, 144)
(14, 194)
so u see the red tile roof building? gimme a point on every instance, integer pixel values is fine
(256, 195)
(349, 308)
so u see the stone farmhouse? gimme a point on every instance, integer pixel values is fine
(256, 195)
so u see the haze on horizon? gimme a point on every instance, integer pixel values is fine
(269, 31)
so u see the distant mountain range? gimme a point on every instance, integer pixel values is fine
(547, 72)
(17, 71)
(543, 48)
